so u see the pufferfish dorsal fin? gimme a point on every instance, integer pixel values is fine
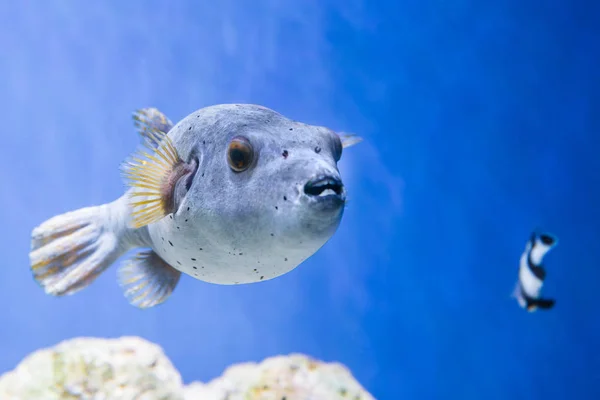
(349, 139)
(149, 173)
(151, 120)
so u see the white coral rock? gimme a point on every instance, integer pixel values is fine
(131, 368)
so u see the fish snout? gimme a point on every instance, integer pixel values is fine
(326, 190)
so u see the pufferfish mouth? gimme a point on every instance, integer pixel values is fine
(324, 186)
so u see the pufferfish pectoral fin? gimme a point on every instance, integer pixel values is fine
(147, 280)
(149, 120)
(152, 173)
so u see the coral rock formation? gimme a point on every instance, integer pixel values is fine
(131, 368)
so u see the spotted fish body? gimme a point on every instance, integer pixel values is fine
(232, 194)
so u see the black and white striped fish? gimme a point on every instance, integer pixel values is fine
(532, 273)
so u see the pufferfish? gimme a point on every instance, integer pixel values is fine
(231, 194)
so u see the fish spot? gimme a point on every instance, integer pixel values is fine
(188, 210)
(178, 228)
(241, 254)
(284, 198)
(203, 174)
(291, 129)
(204, 142)
(317, 149)
(200, 248)
(193, 259)
(277, 208)
(178, 263)
(190, 128)
(163, 239)
(203, 267)
(272, 234)
(186, 220)
(255, 270)
(195, 267)
(171, 216)
(170, 243)
(285, 154)
(285, 259)
(262, 277)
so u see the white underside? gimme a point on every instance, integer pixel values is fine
(531, 284)
(228, 266)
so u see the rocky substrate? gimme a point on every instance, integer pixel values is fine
(131, 368)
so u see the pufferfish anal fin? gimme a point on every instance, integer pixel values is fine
(147, 280)
(150, 175)
(149, 121)
(349, 139)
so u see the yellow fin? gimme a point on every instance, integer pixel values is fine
(148, 172)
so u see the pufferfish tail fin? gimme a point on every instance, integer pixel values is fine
(69, 251)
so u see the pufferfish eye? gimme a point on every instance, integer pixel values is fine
(240, 154)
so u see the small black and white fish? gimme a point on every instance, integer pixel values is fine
(232, 194)
(532, 273)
